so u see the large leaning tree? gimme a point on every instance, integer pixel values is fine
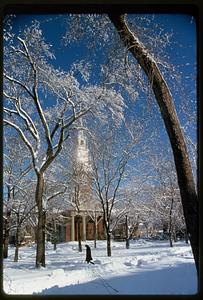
(168, 112)
(41, 103)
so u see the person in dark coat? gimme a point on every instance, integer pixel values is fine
(88, 255)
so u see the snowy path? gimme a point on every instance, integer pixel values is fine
(145, 268)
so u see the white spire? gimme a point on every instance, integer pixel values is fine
(82, 151)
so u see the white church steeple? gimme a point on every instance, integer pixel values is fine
(82, 149)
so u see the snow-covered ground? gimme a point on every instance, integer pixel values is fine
(148, 267)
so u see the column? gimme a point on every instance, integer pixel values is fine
(84, 228)
(72, 228)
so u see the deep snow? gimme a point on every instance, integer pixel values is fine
(148, 267)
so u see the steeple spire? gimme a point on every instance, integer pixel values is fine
(82, 149)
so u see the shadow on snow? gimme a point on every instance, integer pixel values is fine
(168, 281)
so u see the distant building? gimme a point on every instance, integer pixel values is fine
(80, 218)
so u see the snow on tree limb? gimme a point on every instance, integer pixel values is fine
(13, 80)
(23, 137)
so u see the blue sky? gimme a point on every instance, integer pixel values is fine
(183, 28)
(182, 52)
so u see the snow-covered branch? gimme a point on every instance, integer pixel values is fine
(24, 139)
(13, 80)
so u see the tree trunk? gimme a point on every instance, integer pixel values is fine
(95, 231)
(40, 254)
(108, 236)
(127, 239)
(170, 230)
(17, 245)
(170, 236)
(170, 240)
(7, 225)
(5, 245)
(174, 234)
(55, 234)
(79, 235)
(6, 234)
(172, 124)
(147, 230)
(127, 243)
(54, 246)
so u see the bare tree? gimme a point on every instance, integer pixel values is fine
(95, 215)
(54, 192)
(28, 78)
(7, 221)
(18, 91)
(110, 156)
(166, 194)
(21, 210)
(16, 169)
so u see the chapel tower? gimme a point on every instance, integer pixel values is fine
(84, 202)
(83, 170)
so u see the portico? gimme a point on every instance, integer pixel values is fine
(83, 215)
